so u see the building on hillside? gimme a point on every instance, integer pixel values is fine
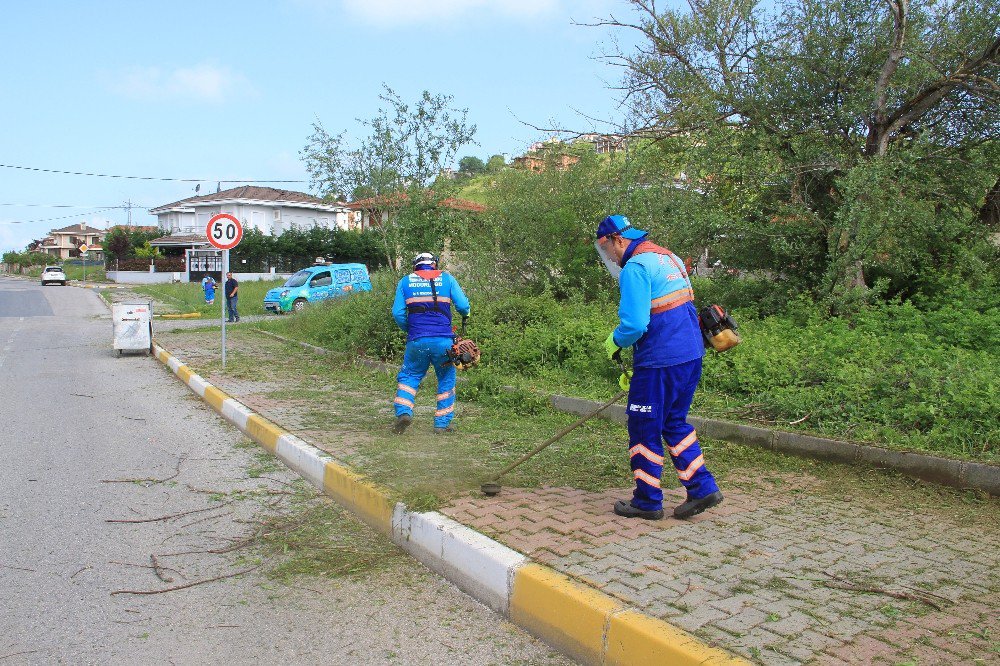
(542, 154)
(65, 243)
(374, 211)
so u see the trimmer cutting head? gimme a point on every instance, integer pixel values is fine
(491, 489)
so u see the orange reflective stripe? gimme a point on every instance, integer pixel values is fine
(684, 444)
(403, 401)
(427, 299)
(445, 395)
(446, 410)
(696, 464)
(670, 301)
(406, 389)
(648, 478)
(640, 449)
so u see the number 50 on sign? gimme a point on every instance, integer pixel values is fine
(224, 231)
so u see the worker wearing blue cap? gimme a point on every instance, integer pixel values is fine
(659, 319)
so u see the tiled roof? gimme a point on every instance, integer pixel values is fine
(77, 229)
(181, 239)
(252, 193)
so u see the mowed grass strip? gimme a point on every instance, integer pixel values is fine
(349, 403)
(189, 296)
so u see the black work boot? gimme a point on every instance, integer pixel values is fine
(403, 422)
(692, 507)
(623, 508)
(447, 430)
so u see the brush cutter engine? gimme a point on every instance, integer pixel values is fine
(463, 354)
(718, 328)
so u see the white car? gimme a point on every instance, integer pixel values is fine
(53, 274)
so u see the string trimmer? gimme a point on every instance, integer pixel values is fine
(491, 487)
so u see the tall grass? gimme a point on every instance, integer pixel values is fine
(892, 374)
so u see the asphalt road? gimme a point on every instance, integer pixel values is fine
(72, 418)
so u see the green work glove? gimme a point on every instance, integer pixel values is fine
(625, 380)
(613, 350)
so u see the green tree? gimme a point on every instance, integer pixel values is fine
(406, 147)
(824, 128)
(495, 163)
(471, 166)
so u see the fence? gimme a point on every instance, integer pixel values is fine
(160, 264)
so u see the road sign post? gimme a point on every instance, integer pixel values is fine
(225, 232)
(83, 254)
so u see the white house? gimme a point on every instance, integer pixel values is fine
(266, 209)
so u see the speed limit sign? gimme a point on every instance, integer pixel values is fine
(224, 231)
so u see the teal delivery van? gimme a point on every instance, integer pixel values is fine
(317, 283)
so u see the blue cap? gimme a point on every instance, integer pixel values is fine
(619, 224)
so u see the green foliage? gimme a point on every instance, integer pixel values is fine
(147, 251)
(845, 145)
(407, 146)
(471, 166)
(334, 245)
(495, 163)
(23, 260)
(893, 373)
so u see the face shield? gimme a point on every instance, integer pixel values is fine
(609, 262)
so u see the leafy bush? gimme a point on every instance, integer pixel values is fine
(893, 374)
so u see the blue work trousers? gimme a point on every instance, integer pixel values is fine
(232, 314)
(420, 355)
(658, 404)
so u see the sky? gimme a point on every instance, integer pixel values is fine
(228, 90)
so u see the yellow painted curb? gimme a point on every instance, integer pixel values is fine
(634, 638)
(561, 612)
(184, 373)
(359, 495)
(215, 397)
(186, 315)
(264, 432)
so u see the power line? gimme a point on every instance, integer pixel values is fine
(64, 217)
(181, 180)
(24, 205)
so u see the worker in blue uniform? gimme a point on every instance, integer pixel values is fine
(422, 308)
(657, 318)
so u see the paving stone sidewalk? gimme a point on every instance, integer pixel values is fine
(781, 575)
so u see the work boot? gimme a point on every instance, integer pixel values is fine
(692, 507)
(403, 422)
(447, 430)
(623, 508)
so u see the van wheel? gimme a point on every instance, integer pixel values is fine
(299, 304)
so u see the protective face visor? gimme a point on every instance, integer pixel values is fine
(609, 262)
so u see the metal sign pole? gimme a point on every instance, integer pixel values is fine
(225, 302)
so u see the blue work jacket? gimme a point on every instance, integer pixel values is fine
(424, 312)
(657, 310)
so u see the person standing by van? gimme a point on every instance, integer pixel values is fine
(232, 289)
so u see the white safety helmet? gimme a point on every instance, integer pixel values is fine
(424, 259)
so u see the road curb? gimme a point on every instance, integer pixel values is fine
(923, 466)
(588, 624)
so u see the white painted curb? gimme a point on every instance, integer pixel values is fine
(475, 563)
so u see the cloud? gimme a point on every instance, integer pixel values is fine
(426, 11)
(204, 82)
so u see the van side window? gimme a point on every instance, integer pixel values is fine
(343, 276)
(322, 279)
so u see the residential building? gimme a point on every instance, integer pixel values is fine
(268, 210)
(65, 243)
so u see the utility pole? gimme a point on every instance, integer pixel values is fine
(128, 208)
